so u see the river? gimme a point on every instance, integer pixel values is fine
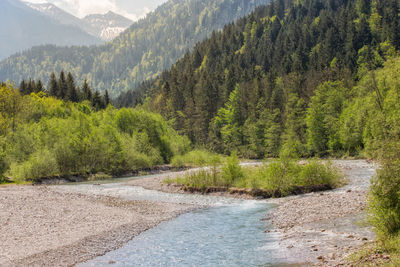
(226, 232)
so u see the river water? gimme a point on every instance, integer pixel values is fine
(230, 235)
(229, 232)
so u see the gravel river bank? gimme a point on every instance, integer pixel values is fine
(65, 225)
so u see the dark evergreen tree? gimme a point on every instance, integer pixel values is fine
(86, 91)
(23, 87)
(97, 101)
(62, 85)
(53, 87)
(72, 92)
(39, 86)
(107, 99)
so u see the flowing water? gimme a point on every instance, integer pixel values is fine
(230, 235)
(229, 232)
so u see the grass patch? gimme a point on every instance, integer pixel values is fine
(196, 158)
(384, 253)
(278, 178)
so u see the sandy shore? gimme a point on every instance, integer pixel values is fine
(41, 227)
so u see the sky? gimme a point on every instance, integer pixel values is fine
(132, 9)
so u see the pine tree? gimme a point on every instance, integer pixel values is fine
(53, 88)
(39, 86)
(107, 99)
(23, 87)
(97, 101)
(72, 93)
(62, 85)
(86, 91)
(31, 87)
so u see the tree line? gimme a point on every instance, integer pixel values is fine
(253, 87)
(64, 87)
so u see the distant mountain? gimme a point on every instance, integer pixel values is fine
(107, 26)
(23, 27)
(56, 13)
(104, 26)
(147, 48)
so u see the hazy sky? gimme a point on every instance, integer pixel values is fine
(132, 9)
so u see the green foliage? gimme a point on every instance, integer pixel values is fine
(41, 164)
(323, 117)
(280, 177)
(65, 89)
(3, 166)
(196, 158)
(252, 89)
(385, 193)
(317, 173)
(231, 170)
(55, 138)
(227, 123)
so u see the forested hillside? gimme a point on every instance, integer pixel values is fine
(279, 79)
(150, 46)
(24, 27)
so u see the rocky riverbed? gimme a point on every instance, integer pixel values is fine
(323, 229)
(69, 224)
(42, 227)
(319, 229)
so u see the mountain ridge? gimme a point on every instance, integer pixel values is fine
(27, 27)
(104, 26)
(144, 50)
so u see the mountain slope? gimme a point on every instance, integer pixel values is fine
(104, 26)
(248, 87)
(26, 27)
(148, 47)
(56, 13)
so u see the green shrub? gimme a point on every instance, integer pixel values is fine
(40, 165)
(196, 158)
(139, 153)
(315, 172)
(280, 175)
(76, 140)
(202, 179)
(3, 167)
(231, 170)
(385, 193)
